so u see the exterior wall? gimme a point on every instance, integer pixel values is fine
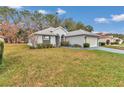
(76, 40)
(93, 41)
(60, 32)
(105, 39)
(53, 40)
(121, 41)
(39, 39)
(102, 40)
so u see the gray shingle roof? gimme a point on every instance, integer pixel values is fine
(48, 31)
(80, 32)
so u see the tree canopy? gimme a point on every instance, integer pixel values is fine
(16, 25)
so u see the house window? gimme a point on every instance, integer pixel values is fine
(46, 39)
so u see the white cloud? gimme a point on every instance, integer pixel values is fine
(60, 11)
(118, 18)
(101, 20)
(43, 11)
(16, 7)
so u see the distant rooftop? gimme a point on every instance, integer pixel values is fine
(104, 35)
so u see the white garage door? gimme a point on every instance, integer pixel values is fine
(92, 41)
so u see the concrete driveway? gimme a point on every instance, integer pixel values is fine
(108, 49)
(101, 48)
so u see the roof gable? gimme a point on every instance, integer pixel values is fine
(49, 31)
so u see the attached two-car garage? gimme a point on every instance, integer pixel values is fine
(80, 37)
(80, 40)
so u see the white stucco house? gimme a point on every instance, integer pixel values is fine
(55, 36)
(116, 39)
(108, 39)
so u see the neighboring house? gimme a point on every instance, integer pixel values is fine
(116, 39)
(108, 39)
(56, 35)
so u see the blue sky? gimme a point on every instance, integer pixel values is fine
(102, 18)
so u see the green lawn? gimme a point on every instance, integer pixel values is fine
(121, 47)
(60, 67)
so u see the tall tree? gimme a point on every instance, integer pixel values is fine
(69, 24)
(16, 25)
(80, 25)
(53, 20)
(38, 20)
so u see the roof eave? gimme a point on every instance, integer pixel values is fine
(46, 34)
(81, 35)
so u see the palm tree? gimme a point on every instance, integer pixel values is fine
(89, 28)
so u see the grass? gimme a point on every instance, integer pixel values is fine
(60, 67)
(121, 47)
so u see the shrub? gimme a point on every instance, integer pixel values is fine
(1, 51)
(44, 46)
(86, 45)
(64, 43)
(31, 47)
(114, 43)
(101, 43)
(76, 45)
(48, 45)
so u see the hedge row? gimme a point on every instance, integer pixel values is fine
(1, 51)
(66, 43)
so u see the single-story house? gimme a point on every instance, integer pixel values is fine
(108, 39)
(116, 39)
(55, 36)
